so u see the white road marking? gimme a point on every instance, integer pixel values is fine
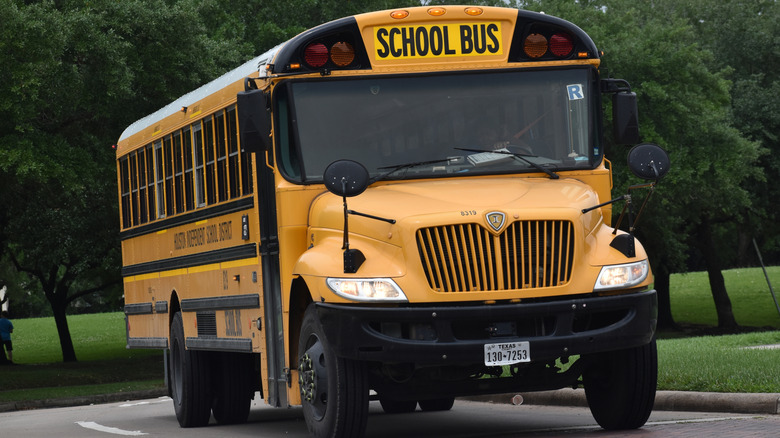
(649, 423)
(100, 428)
(159, 400)
(696, 420)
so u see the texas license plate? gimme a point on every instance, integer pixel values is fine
(507, 353)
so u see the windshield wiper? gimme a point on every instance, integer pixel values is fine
(536, 166)
(397, 167)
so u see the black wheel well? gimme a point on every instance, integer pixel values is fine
(300, 298)
(173, 307)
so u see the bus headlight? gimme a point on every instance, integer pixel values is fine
(622, 276)
(367, 289)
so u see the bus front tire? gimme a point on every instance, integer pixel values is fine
(190, 385)
(334, 390)
(620, 387)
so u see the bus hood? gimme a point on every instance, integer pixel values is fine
(415, 205)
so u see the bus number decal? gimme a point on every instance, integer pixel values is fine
(233, 323)
(404, 42)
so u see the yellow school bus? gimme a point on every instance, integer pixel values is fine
(405, 206)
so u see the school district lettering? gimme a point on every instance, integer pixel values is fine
(203, 235)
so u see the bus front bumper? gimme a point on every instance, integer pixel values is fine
(456, 335)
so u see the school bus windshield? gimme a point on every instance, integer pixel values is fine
(546, 115)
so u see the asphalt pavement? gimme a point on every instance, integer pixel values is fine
(757, 403)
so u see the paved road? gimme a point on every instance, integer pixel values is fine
(467, 419)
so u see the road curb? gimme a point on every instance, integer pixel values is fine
(81, 401)
(738, 403)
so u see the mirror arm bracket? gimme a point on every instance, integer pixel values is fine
(615, 86)
(353, 258)
(357, 213)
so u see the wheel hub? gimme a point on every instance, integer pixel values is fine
(313, 379)
(307, 378)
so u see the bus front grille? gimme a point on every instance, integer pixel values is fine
(469, 258)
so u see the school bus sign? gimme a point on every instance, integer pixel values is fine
(440, 40)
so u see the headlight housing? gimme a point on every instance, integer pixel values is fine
(622, 276)
(367, 289)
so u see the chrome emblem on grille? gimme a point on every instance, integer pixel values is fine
(496, 220)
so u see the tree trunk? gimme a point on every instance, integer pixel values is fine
(66, 342)
(717, 284)
(665, 319)
(57, 296)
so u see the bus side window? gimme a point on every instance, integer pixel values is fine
(178, 174)
(197, 142)
(189, 199)
(133, 189)
(168, 159)
(159, 172)
(142, 193)
(150, 183)
(208, 146)
(222, 167)
(124, 171)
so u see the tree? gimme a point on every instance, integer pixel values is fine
(744, 36)
(684, 106)
(79, 73)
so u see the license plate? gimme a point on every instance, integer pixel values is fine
(507, 353)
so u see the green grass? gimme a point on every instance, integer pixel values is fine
(720, 363)
(95, 337)
(708, 363)
(751, 300)
(104, 366)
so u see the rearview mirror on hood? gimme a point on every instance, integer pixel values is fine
(346, 178)
(648, 161)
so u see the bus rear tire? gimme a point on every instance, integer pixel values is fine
(334, 390)
(620, 387)
(190, 384)
(233, 388)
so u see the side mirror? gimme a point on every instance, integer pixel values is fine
(648, 161)
(346, 178)
(254, 120)
(625, 118)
